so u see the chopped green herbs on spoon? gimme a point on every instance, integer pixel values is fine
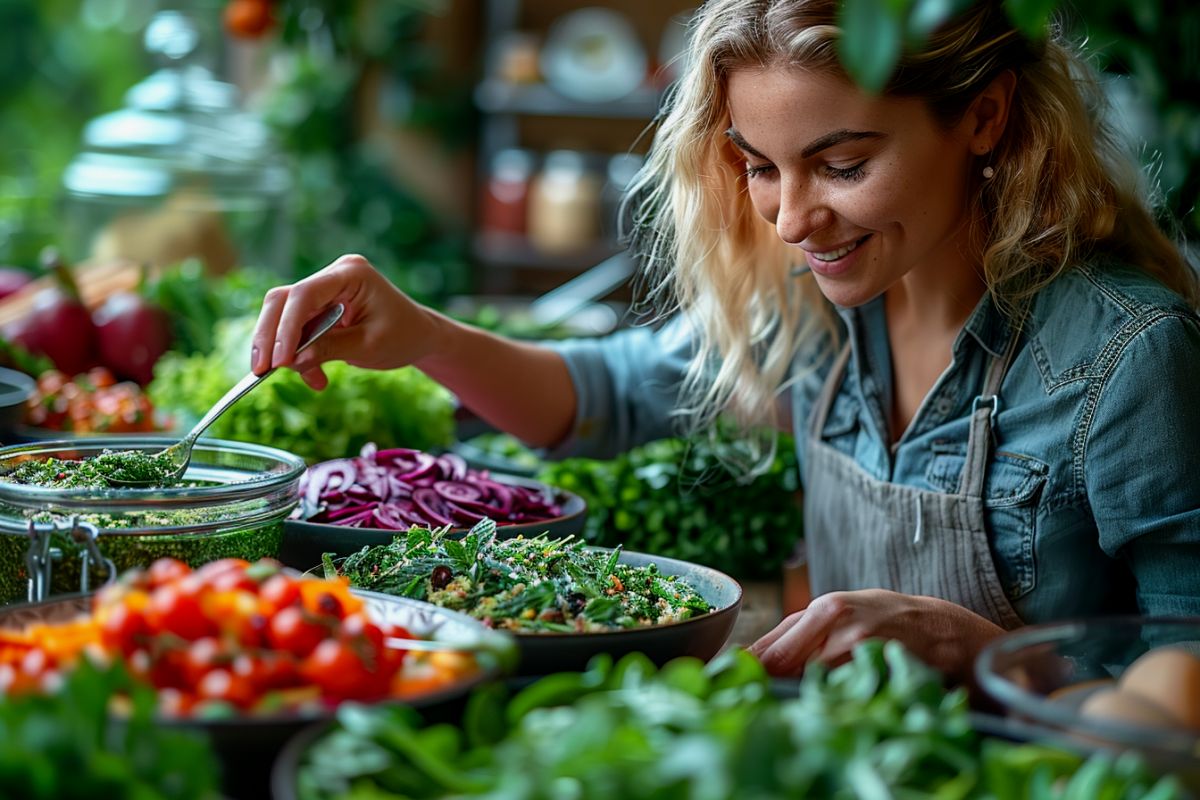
(528, 585)
(95, 472)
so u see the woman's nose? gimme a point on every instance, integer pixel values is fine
(800, 213)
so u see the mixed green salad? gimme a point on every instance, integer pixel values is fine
(529, 585)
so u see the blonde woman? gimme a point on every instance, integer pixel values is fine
(954, 292)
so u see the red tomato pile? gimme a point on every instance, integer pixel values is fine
(229, 635)
(93, 402)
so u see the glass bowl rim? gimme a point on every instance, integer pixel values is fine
(1015, 699)
(99, 500)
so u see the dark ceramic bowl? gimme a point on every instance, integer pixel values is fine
(247, 746)
(15, 390)
(701, 637)
(304, 541)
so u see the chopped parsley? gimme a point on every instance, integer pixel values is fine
(96, 472)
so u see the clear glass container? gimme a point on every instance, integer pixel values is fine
(1043, 677)
(181, 171)
(240, 495)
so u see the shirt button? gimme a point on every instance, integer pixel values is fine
(943, 406)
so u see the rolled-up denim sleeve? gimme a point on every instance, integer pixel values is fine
(627, 385)
(1142, 464)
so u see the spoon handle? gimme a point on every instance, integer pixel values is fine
(313, 330)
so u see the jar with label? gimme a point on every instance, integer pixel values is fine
(564, 204)
(506, 195)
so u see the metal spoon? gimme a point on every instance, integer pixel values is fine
(179, 454)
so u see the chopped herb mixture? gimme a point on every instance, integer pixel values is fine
(527, 585)
(94, 473)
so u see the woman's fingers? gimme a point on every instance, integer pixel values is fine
(790, 645)
(794, 642)
(315, 378)
(286, 309)
(305, 301)
(335, 343)
(262, 343)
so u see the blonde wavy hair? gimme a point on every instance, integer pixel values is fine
(1064, 190)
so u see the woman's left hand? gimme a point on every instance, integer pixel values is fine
(943, 635)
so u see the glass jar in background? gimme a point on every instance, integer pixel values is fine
(180, 171)
(564, 204)
(506, 195)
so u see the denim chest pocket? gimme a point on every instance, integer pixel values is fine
(1012, 487)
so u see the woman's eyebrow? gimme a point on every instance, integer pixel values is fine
(821, 143)
(743, 145)
(836, 138)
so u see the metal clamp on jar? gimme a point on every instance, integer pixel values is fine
(41, 555)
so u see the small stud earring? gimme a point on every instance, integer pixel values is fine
(988, 172)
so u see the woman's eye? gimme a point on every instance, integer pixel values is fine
(757, 171)
(851, 173)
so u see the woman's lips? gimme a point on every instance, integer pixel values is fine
(834, 261)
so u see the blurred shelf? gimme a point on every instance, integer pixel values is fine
(498, 97)
(508, 250)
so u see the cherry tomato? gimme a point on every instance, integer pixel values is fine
(234, 579)
(341, 672)
(174, 703)
(268, 670)
(176, 608)
(168, 669)
(222, 684)
(166, 570)
(367, 639)
(203, 656)
(278, 592)
(124, 627)
(295, 632)
(248, 19)
(214, 568)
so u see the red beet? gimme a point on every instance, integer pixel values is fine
(131, 333)
(58, 325)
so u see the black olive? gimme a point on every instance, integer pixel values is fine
(576, 602)
(329, 605)
(440, 577)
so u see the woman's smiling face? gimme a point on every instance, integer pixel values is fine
(871, 189)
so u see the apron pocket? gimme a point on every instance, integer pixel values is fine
(1011, 490)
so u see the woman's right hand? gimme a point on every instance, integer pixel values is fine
(382, 328)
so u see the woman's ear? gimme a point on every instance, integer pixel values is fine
(988, 113)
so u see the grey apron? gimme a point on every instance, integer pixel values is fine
(864, 533)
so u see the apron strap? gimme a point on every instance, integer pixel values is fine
(983, 409)
(828, 391)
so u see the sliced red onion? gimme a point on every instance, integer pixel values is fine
(454, 490)
(432, 504)
(398, 487)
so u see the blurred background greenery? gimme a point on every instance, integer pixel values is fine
(63, 62)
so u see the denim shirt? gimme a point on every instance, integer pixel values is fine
(1092, 496)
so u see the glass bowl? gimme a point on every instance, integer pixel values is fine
(235, 507)
(1042, 675)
